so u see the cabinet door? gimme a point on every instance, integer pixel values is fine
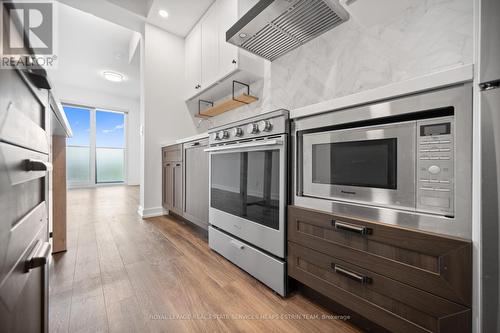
(167, 188)
(196, 185)
(193, 61)
(177, 188)
(228, 53)
(209, 47)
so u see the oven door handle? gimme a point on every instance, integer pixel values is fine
(246, 145)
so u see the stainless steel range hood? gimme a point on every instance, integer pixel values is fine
(274, 27)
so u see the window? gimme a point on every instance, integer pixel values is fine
(96, 152)
(78, 146)
(110, 146)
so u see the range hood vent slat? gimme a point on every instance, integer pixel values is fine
(274, 27)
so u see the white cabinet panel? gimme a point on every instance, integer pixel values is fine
(209, 47)
(228, 53)
(193, 56)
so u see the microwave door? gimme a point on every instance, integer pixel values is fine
(372, 165)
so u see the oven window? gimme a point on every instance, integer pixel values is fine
(246, 184)
(369, 163)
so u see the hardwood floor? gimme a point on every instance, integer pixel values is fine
(125, 274)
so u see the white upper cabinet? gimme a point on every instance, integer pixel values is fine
(209, 47)
(209, 58)
(228, 53)
(193, 61)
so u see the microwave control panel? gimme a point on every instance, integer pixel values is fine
(435, 166)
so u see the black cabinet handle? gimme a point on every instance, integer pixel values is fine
(39, 256)
(234, 61)
(38, 76)
(195, 144)
(351, 274)
(178, 164)
(362, 230)
(37, 165)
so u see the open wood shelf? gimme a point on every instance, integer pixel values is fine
(226, 106)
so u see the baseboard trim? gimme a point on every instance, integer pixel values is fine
(151, 212)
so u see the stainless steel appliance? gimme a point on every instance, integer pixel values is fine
(376, 165)
(490, 164)
(248, 195)
(272, 28)
(196, 182)
(393, 161)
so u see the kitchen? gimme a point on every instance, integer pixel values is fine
(301, 159)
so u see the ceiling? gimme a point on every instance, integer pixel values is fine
(89, 45)
(183, 14)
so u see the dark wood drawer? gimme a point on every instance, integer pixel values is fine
(436, 264)
(21, 190)
(394, 305)
(23, 112)
(172, 153)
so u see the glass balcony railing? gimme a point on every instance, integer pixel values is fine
(110, 165)
(78, 164)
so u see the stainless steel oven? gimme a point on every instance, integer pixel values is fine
(405, 161)
(248, 194)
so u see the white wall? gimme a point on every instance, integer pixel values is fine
(87, 97)
(164, 116)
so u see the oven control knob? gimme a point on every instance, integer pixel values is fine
(223, 135)
(252, 129)
(237, 131)
(265, 126)
(434, 169)
(215, 136)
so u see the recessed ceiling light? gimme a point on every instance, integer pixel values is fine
(163, 13)
(243, 35)
(113, 76)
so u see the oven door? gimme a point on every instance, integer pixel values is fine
(248, 192)
(371, 165)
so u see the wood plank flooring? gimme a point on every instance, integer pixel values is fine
(125, 274)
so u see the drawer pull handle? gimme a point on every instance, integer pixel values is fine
(39, 256)
(237, 245)
(351, 275)
(37, 165)
(351, 228)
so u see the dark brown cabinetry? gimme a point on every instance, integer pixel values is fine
(24, 162)
(172, 187)
(403, 280)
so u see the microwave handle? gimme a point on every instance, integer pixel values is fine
(343, 226)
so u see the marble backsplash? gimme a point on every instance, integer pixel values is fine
(431, 36)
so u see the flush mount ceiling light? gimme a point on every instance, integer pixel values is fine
(163, 13)
(113, 76)
(243, 35)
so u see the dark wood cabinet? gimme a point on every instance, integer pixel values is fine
(401, 279)
(24, 202)
(172, 185)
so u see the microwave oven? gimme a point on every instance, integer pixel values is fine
(406, 165)
(405, 161)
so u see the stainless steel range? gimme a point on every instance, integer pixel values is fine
(248, 195)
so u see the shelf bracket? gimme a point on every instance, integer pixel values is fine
(234, 89)
(200, 102)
